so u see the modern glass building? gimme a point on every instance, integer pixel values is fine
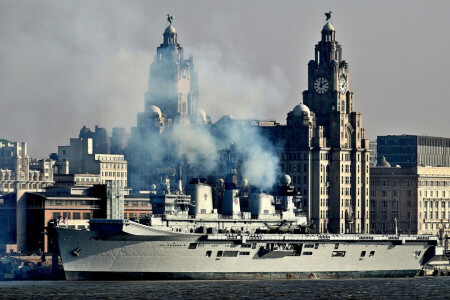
(414, 150)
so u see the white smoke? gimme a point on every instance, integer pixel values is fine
(195, 144)
(260, 161)
(229, 86)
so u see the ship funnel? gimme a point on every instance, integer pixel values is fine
(262, 204)
(231, 204)
(201, 197)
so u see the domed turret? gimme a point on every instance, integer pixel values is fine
(170, 30)
(302, 110)
(285, 179)
(156, 111)
(328, 27)
(244, 182)
(170, 34)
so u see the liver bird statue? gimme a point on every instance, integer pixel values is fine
(169, 19)
(328, 15)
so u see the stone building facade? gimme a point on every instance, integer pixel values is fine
(172, 84)
(326, 151)
(172, 97)
(80, 158)
(412, 200)
(19, 171)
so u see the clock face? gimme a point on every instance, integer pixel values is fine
(342, 84)
(321, 85)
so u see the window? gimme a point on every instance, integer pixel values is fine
(336, 246)
(363, 253)
(66, 215)
(192, 246)
(230, 253)
(372, 253)
(208, 253)
(86, 216)
(56, 215)
(219, 253)
(244, 253)
(338, 254)
(307, 253)
(76, 216)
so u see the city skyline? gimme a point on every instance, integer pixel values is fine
(70, 64)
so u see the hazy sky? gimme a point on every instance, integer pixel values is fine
(65, 64)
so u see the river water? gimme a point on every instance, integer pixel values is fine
(405, 288)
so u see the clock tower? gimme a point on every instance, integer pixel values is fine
(327, 153)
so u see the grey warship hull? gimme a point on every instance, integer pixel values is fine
(127, 250)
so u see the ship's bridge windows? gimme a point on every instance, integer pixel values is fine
(307, 253)
(316, 246)
(338, 254)
(208, 253)
(246, 245)
(372, 253)
(219, 253)
(336, 246)
(363, 253)
(244, 253)
(309, 246)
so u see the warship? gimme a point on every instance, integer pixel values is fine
(186, 238)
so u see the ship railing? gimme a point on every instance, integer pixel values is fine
(314, 237)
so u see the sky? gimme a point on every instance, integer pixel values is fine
(65, 64)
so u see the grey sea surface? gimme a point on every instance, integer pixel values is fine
(404, 288)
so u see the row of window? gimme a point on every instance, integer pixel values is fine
(87, 179)
(113, 166)
(73, 216)
(115, 174)
(436, 215)
(436, 194)
(128, 216)
(145, 203)
(384, 203)
(434, 183)
(383, 193)
(391, 183)
(63, 202)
